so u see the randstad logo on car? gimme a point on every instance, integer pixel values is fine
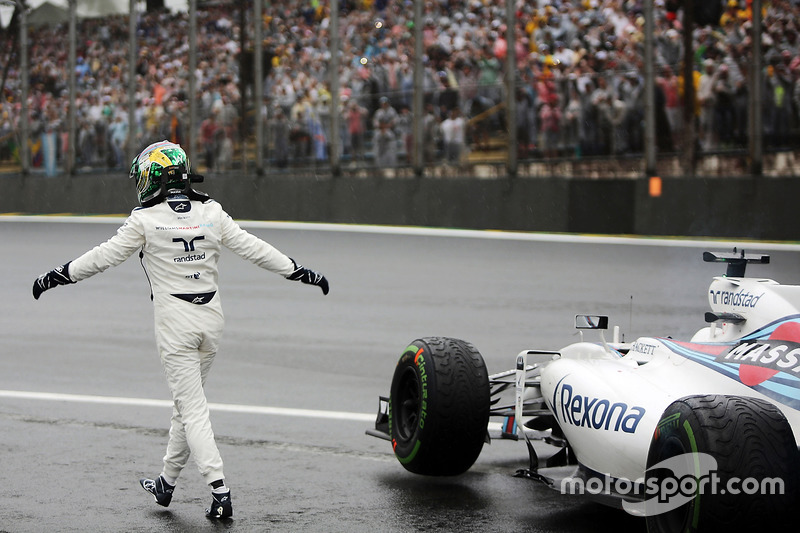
(735, 298)
(586, 411)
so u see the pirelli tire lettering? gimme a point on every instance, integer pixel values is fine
(439, 406)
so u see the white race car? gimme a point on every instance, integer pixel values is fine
(696, 435)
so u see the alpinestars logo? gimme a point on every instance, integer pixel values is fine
(180, 206)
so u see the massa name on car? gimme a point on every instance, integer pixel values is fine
(769, 353)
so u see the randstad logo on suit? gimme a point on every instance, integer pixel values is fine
(189, 258)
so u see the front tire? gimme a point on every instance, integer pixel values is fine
(439, 406)
(750, 439)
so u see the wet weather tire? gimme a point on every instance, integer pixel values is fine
(439, 406)
(752, 443)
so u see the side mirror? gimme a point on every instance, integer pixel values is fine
(591, 322)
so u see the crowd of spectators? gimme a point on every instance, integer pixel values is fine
(580, 85)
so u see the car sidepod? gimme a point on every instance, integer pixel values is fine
(598, 404)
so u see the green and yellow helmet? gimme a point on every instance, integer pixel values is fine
(161, 168)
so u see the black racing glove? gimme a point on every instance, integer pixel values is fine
(308, 276)
(57, 276)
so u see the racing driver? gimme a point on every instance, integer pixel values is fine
(179, 232)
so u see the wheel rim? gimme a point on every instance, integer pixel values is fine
(408, 404)
(676, 519)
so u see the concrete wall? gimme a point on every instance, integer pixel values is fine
(759, 208)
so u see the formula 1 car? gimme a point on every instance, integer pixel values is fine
(697, 435)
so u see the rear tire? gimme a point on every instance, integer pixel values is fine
(750, 439)
(439, 406)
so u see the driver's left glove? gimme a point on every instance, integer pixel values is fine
(57, 276)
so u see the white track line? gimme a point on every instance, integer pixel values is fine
(678, 242)
(231, 408)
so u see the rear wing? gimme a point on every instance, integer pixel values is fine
(737, 261)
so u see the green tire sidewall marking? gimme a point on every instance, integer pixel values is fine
(669, 421)
(693, 444)
(409, 457)
(411, 348)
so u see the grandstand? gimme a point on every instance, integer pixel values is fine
(578, 102)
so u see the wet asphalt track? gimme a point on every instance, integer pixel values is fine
(71, 462)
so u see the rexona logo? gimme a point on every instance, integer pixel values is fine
(595, 413)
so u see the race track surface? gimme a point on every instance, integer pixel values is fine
(84, 408)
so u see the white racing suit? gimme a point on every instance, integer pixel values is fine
(181, 241)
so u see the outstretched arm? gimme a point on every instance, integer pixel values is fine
(263, 254)
(114, 251)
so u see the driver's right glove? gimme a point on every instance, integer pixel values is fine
(308, 276)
